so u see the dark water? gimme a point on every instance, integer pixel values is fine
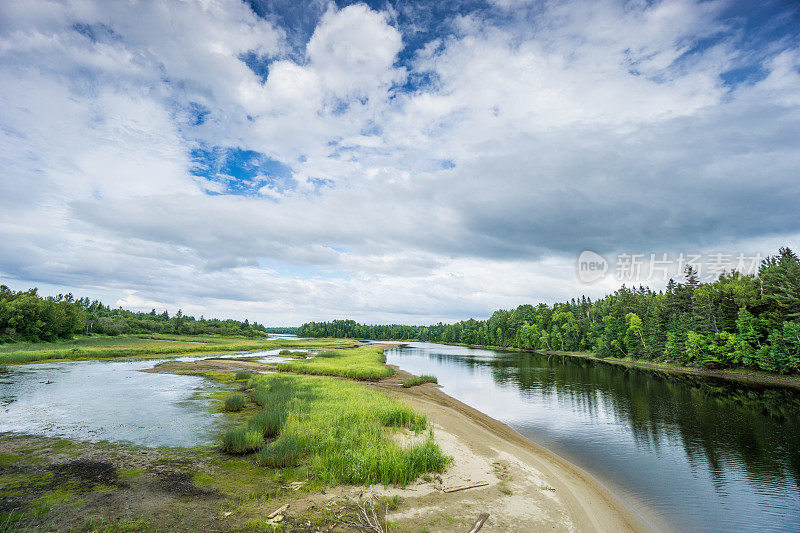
(704, 454)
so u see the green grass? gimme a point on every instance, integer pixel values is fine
(234, 403)
(269, 421)
(293, 353)
(419, 380)
(243, 374)
(242, 440)
(338, 431)
(364, 362)
(7, 459)
(101, 347)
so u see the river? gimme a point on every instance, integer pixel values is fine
(705, 455)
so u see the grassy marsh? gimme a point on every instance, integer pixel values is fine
(100, 347)
(364, 362)
(337, 431)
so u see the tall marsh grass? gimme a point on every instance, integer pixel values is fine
(235, 402)
(242, 440)
(419, 380)
(339, 431)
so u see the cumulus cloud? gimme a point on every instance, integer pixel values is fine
(437, 168)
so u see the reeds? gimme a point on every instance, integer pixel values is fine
(419, 380)
(336, 431)
(242, 440)
(234, 403)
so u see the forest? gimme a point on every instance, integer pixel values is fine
(745, 321)
(27, 316)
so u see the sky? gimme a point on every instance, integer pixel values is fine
(405, 162)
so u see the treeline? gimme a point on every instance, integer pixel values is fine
(736, 321)
(286, 330)
(26, 316)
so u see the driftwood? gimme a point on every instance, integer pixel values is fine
(363, 516)
(465, 487)
(479, 523)
(278, 511)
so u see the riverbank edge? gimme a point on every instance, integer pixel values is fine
(747, 377)
(740, 376)
(583, 489)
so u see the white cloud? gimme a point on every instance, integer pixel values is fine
(585, 126)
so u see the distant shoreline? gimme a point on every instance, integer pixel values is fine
(746, 377)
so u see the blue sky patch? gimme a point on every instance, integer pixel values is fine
(242, 172)
(259, 64)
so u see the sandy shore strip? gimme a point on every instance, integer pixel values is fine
(527, 487)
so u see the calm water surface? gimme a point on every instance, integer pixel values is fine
(706, 455)
(112, 400)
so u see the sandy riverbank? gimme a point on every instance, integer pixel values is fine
(528, 487)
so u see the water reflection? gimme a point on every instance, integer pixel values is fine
(112, 400)
(706, 454)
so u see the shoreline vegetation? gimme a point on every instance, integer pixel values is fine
(740, 375)
(84, 347)
(737, 325)
(306, 445)
(419, 380)
(366, 363)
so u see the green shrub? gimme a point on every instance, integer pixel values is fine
(419, 380)
(235, 402)
(242, 440)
